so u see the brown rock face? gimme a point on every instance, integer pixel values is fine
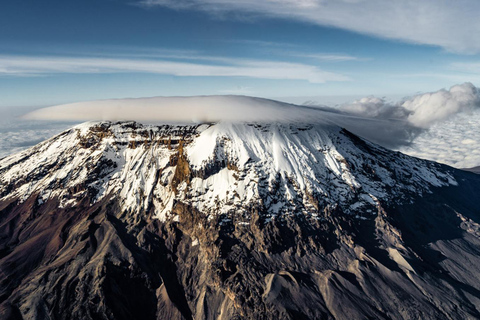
(182, 169)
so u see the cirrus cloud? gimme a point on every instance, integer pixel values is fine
(452, 26)
(221, 67)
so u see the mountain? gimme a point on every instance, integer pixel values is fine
(121, 220)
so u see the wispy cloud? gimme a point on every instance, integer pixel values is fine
(453, 27)
(293, 50)
(467, 67)
(452, 76)
(224, 67)
(263, 44)
(329, 57)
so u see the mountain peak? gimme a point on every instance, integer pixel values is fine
(218, 168)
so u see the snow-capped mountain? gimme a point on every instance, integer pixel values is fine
(217, 169)
(234, 220)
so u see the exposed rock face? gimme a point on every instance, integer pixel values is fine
(234, 221)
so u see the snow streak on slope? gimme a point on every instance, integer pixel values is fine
(223, 168)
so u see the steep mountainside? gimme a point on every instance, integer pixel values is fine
(234, 220)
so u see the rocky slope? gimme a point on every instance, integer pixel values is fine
(234, 220)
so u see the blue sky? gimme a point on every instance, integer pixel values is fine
(54, 52)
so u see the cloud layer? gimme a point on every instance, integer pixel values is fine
(451, 25)
(455, 142)
(17, 135)
(442, 126)
(422, 110)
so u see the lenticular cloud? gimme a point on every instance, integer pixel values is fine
(392, 125)
(177, 109)
(224, 108)
(420, 111)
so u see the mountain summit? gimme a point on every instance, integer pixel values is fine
(247, 220)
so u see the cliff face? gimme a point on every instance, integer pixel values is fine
(226, 221)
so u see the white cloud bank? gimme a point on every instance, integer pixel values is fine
(443, 125)
(452, 25)
(37, 65)
(455, 141)
(422, 110)
(429, 108)
(16, 135)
